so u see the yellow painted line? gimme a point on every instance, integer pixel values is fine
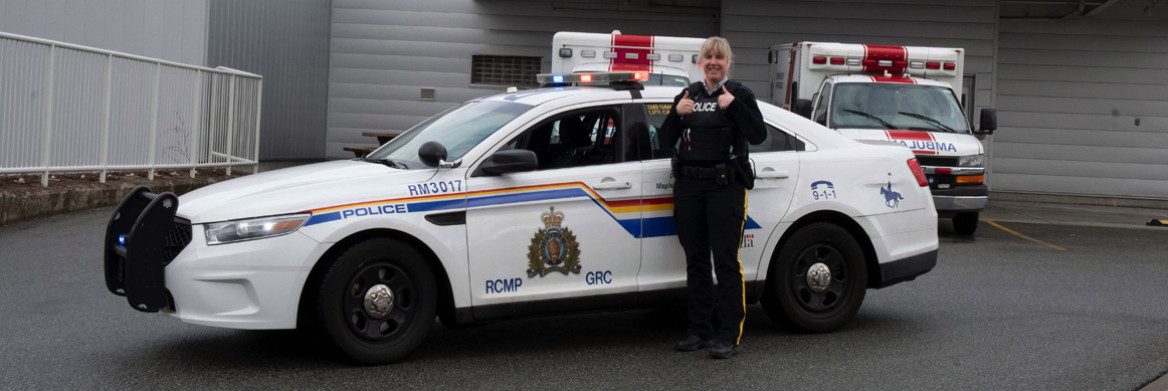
(1015, 233)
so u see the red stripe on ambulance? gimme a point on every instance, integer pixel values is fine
(624, 45)
(895, 58)
(907, 137)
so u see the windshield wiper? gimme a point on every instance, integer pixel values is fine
(388, 162)
(927, 119)
(872, 117)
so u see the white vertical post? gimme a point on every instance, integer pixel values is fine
(154, 117)
(198, 117)
(258, 111)
(230, 122)
(105, 127)
(47, 139)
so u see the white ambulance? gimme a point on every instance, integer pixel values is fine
(513, 205)
(903, 94)
(670, 61)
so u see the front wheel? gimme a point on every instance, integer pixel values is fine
(378, 300)
(818, 281)
(965, 223)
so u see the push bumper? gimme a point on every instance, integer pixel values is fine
(142, 237)
(967, 198)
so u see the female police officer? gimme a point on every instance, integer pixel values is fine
(713, 119)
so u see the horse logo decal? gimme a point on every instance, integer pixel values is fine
(891, 198)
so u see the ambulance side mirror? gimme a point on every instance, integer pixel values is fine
(989, 121)
(802, 107)
(508, 161)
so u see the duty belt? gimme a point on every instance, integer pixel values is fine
(720, 172)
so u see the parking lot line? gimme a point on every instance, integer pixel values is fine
(1015, 233)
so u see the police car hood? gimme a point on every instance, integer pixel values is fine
(295, 189)
(920, 142)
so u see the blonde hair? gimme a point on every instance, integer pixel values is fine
(719, 44)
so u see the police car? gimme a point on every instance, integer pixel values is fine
(539, 201)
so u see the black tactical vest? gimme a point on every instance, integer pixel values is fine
(707, 134)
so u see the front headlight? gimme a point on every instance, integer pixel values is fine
(971, 161)
(257, 228)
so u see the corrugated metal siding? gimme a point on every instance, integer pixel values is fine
(287, 42)
(384, 53)
(1083, 105)
(172, 30)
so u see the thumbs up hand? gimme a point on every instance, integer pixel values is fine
(685, 105)
(725, 99)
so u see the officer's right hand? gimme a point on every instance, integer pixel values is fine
(685, 105)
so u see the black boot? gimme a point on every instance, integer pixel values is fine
(693, 343)
(724, 349)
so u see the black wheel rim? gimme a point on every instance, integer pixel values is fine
(392, 325)
(831, 298)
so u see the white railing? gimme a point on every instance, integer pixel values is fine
(71, 108)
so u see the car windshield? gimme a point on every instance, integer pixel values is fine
(896, 106)
(458, 129)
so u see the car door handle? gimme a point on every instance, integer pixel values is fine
(612, 186)
(769, 173)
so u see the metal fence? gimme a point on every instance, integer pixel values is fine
(71, 108)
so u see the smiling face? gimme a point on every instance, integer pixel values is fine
(715, 65)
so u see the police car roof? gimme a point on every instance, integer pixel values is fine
(880, 79)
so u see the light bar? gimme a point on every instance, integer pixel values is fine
(853, 61)
(932, 65)
(819, 60)
(837, 61)
(916, 64)
(592, 77)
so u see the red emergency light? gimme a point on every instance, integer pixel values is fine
(819, 60)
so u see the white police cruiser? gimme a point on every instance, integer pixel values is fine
(531, 202)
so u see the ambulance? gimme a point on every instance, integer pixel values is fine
(670, 61)
(908, 95)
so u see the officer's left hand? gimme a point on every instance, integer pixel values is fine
(725, 99)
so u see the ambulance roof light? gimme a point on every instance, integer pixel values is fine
(853, 61)
(695, 59)
(653, 56)
(819, 60)
(565, 52)
(609, 54)
(632, 55)
(950, 66)
(587, 53)
(676, 58)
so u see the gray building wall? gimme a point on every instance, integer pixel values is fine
(385, 52)
(286, 41)
(172, 30)
(1083, 104)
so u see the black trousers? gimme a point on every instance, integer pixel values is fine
(710, 218)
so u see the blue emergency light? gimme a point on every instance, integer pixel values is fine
(122, 240)
(558, 78)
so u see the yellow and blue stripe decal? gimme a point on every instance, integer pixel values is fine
(639, 227)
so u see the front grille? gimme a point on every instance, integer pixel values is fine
(178, 236)
(937, 161)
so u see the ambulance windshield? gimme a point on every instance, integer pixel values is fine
(458, 129)
(896, 106)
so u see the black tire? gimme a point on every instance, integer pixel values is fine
(344, 314)
(965, 223)
(792, 301)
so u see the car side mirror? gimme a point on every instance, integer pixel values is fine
(989, 121)
(802, 107)
(509, 161)
(433, 154)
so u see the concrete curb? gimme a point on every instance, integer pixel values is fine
(19, 203)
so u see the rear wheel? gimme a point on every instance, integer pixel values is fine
(818, 281)
(965, 223)
(378, 300)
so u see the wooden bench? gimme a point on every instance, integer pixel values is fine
(382, 137)
(360, 151)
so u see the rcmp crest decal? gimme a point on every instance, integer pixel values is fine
(553, 248)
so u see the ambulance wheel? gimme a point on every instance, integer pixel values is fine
(965, 223)
(378, 300)
(818, 281)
